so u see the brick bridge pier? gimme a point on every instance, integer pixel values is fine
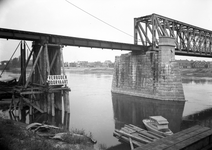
(154, 78)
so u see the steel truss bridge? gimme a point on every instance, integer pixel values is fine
(190, 40)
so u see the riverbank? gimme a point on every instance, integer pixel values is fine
(15, 136)
(192, 72)
(200, 72)
(89, 70)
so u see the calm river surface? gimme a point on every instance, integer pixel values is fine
(92, 105)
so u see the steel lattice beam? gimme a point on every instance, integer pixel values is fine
(190, 40)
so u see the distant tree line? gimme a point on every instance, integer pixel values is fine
(13, 63)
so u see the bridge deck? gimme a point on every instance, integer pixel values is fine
(194, 138)
(68, 40)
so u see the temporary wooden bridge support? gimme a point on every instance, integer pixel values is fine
(42, 100)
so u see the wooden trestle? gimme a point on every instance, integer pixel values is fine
(39, 99)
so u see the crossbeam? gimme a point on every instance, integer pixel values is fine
(68, 40)
(190, 40)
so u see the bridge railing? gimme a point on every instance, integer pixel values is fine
(189, 39)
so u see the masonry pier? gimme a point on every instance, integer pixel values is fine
(153, 77)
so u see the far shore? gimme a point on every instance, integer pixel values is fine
(89, 70)
(191, 72)
(185, 72)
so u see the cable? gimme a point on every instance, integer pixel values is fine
(98, 19)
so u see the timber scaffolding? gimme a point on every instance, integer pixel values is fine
(38, 92)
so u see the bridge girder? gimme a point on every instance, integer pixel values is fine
(68, 40)
(190, 40)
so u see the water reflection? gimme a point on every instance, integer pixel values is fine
(197, 80)
(132, 110)
(203, 118)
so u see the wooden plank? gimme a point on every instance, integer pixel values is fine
(125, 139)
(146, 137)
(149, 135)
(170, 140)
(133, 137)
(128, 130)
(155, 134)
(131, 144)
(191, 134)
(194, 140)
(31, 92)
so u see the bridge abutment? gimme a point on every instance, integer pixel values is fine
(153, 75)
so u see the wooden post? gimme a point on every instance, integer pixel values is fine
(67, 109)
(53, 108)
(65, 113)
(55, 69)
(23, 62)
(23, 112)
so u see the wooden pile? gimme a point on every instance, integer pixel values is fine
(135, 135)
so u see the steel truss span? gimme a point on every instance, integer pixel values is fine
(190, 40)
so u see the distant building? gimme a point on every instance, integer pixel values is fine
(66, 64)
(72, 64)
(184, 63)
(194, 64)
(82, 64)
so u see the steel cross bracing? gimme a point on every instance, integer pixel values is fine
(190, 40)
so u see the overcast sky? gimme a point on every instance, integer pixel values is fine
(60, 17)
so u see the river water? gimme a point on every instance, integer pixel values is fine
(92, 106)
(94, 110)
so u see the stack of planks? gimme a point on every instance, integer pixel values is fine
(135, 136)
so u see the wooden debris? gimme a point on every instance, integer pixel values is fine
(135, 136)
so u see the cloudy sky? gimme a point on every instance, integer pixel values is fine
(63, 18)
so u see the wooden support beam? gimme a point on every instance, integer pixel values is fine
(35, 63)
(41, 76)
(47, 59)
(62, 61)
(27, 62)
(53, 60)
(33, 105)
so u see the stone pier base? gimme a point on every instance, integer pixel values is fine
(152, 75)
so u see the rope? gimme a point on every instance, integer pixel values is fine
(10, 59)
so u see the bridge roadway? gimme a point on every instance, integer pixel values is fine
(82, 42)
